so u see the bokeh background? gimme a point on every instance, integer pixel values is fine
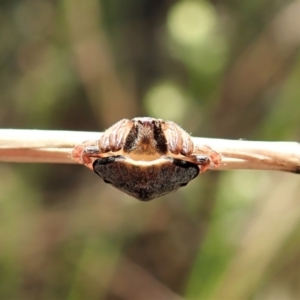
(224, 69)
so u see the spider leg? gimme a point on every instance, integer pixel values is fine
(114, 137)
(92, 151)
(179, 141)
(82, 153)
(202, 153)
(202, 160)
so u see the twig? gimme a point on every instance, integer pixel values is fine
(49, 146)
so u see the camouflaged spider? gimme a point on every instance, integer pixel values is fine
(145, 157)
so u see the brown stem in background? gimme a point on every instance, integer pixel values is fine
(95, 65)
(270, 57)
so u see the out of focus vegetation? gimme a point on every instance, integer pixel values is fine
(227, 69)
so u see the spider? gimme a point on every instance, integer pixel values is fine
(146, 157)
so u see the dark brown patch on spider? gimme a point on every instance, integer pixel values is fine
(145, 182)
(146, 136)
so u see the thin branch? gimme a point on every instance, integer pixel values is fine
(49, 146)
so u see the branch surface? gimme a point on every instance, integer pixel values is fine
(51, 146)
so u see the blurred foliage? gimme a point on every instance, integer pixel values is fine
(226, 69)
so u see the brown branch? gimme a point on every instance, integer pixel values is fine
(56, 146)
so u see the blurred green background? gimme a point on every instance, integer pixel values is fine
(227, 69)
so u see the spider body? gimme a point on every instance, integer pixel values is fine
(145, 157)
